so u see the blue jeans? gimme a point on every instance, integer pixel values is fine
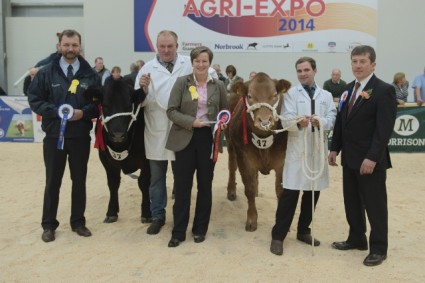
(158, 189)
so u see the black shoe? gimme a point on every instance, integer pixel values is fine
(276, 247)
(82, 231)
(174, 243)
(48, 235)
(110, 219)
(374, 259)
(198, 238)
(343, 246)
(146, 219)
(307, 238)
(155, 227)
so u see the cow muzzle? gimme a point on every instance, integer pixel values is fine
(117, 137)
(264, 124)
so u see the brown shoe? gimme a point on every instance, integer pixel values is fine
(82, 231)
(276, 247)
(308, 239)
(48, 235)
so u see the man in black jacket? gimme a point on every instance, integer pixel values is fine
(363, 127)
(57, 89)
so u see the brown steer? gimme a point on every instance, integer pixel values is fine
(251, 144)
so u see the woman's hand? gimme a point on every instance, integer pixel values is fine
(199, 124)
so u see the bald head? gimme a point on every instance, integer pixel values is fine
(336, 75)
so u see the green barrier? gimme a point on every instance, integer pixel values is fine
(409, 129)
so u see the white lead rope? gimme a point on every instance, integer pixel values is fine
(309, 172)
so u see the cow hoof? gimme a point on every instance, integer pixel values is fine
(231, 196)
(146, 220)
(110, 219)
(250, 227)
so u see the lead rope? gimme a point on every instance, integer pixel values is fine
(310, 173)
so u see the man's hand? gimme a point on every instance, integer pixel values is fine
(304, 122)
(332, 158)
(367, 167)
(78, 114)
(314, 121)
(144, 82)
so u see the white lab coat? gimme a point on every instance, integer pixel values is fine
(297, 102)
(157, 124)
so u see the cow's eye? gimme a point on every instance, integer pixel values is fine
(249, 96)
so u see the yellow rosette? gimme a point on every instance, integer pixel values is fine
(193, 92)
(73, 86)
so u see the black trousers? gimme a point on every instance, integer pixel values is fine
(286, 210)
(77, 151)
(366, 193)
(195, 157)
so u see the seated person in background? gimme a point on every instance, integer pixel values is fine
(217, 69)
(401, 86)
(335, 85)
(419, 89)
(251, 75)
(231, 77)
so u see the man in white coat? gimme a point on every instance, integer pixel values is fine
(316, 105)
(157, 78)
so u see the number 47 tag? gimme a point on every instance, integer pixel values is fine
(262, 143)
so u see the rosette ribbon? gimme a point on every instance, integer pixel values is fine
(65, 112)
(73, 87)
(193, 92)
(223, 118)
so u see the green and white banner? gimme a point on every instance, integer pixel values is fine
(409, 130)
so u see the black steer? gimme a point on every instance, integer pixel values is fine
(119, 138)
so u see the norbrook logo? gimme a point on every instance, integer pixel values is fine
(228, 47)
(406, 125)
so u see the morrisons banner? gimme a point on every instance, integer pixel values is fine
(409, 130)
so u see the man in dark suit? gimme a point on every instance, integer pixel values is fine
(361, 132)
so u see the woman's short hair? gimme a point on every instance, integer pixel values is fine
(198, 50)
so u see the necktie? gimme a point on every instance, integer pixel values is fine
(310, 91)
(70, 74)
(353, 97)
(169, 67)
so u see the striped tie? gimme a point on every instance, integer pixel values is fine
(169, 67)
(353, 97)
